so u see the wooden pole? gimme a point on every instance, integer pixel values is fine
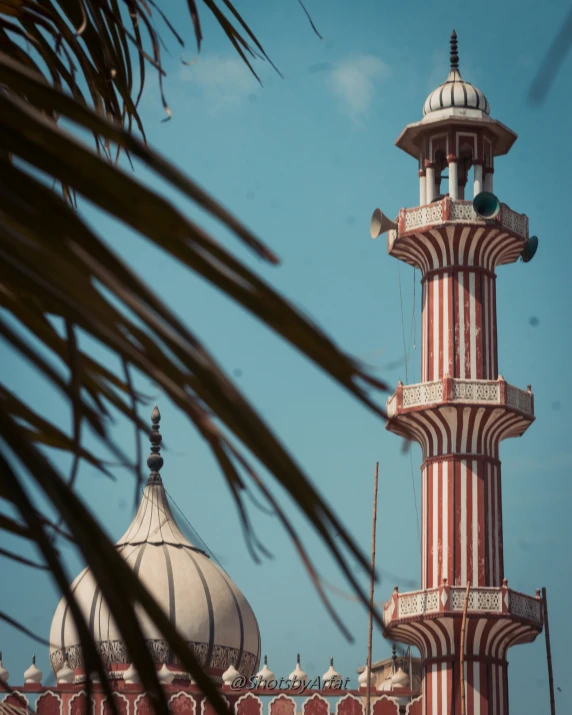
(371, 590)
(462, 655)
(548, 652)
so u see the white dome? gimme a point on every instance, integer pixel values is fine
(455, 92)
(207, 608)
(4, 674)
(387, 685)
(331, 676)
(131, 675)
(363, 678)
(400, 679)
(33, 674)
(165, 675)
(65, 674)
(298, 675)
(230, 675)
(265, 675)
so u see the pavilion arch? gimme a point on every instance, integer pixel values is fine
(385, 706)
(121, 702)
(182, 704)
(248, 704)
(16, 700)
(316, 705)
(49, 703)
(440, 159)
(415, 707)
(207, 708)
(465, 162)
(349, 705)
(76, 704)
(282, 705)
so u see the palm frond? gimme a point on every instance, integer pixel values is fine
(87, 61)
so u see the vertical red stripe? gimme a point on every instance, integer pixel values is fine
(479, 325)
(469, 520)
(456, 686)
(423, 330)
(494, 335)
(456, 328)
(451, 521)
(467, 301)
(480, 466)
(499, 527)
(495, 521)
(439, 477)
(485, 326)
(431, 328)
(429, 689)
(486, 519)
(430, 517)
(442, 336)
(450, 368)
(458, 507)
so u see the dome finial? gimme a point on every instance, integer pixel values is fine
(454, 53)
(154, 460)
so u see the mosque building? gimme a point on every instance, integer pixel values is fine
(465, 617)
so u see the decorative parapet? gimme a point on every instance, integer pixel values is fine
(500, 600)
(450, 211)
(455, 390)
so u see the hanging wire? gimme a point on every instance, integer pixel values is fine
(405, 357)
(194, 531)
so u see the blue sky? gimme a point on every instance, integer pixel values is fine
(303, 161)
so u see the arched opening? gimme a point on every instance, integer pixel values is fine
(464, 166)
(440, 165)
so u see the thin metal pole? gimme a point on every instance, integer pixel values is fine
(371, 590)
(548, 652)
(462, 656)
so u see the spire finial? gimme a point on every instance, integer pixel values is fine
(265, 660)
(298, 659)
(33, 660)
(154, 460)
(394, 652)
(332, 661)
(454, 53)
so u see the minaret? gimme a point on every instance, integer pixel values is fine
(463, 408)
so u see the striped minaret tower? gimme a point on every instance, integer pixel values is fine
(463, 407)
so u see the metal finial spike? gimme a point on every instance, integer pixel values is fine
(155, 415)
(154, 460)
(454, 53)
(332, 661)
(298, 659)
(33, 660)
(394, 652)
(265, 660)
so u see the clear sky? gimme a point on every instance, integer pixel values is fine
(303, 161)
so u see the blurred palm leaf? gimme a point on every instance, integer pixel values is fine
(552, 62)
(86, 60)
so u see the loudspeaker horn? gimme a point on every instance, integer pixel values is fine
(380, 224)
(530, 250)
(486, 205)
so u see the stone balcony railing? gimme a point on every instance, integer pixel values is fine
(449, 211)
(454, 390)
(499, 600)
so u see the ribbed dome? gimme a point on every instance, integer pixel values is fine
(199, 598)
(455, 92)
